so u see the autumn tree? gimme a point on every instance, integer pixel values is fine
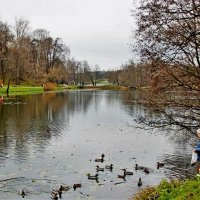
(72, 69)
(20, 50)
(168, 39)
(36, 57)
(113, 76)
(49, 56)
(94, 75)
(84, 73)
(5, 39)
(38, 53)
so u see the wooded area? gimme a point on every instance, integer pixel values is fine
(34, 57)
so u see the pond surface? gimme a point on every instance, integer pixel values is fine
(52, 139)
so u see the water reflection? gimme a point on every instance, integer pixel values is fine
(54, 138)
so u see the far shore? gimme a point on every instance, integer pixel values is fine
(25, 90)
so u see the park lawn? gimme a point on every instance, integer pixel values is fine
(21, 90)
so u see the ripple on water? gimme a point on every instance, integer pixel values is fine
(54, 139)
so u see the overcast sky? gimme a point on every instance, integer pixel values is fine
(98, 31)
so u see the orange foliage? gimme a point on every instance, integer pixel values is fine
(49, 86)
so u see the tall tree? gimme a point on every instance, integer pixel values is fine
(22, 42)
(72, 68)
(38, 46)
(94, 75)
(5, 39)
(169, 31)
(168, 39)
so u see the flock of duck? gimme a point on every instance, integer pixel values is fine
(57, 193)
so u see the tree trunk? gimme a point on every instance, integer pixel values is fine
(7, 91)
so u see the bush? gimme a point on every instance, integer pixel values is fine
(49, 86)
(1, 84)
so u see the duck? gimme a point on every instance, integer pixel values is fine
(138, 167)
(95, 177)
(109, 167)
(146, 170)
(64, 187)
(127, 172)
(160, 165)
(98, 169)
(139, 182)
(22, 193)
(77, 185)
(54, 196)
(122, 176)
(100, 159)
(57, 192)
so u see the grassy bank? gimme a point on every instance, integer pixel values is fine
(21, 90)
(98, 87)
(174, 190)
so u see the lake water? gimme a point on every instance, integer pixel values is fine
(52, 139)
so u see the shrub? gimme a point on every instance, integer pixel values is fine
(1, 83)
(49, 86)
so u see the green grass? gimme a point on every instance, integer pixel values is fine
(112, 87)
(102, 81)
(24, 90)
(73, 87)
(101, 87)
(174, 190)
(21, 90)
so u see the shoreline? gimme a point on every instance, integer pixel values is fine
(28, 90)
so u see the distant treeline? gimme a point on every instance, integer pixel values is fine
(34, 57)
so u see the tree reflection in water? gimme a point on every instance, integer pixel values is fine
(63, 132)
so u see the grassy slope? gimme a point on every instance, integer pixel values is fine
(174, 190)
(21, 90)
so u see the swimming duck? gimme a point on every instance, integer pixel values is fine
(146, 170)
(56, 192)
(95, 177)
(160, 165)
(77, 185)
(100, 159)
(127, 172)
(138, 167)
(122, 176)
(109, 167)
(64, 187)
(139, 182)
(54, 196)
(98, 169)
(22, 193)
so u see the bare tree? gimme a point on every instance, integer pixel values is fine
(38, 46)
(112, 77)
(72, 68)
(84, 73)
(168, 40)
(22, 42)
(94, 75)
(5, 39)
